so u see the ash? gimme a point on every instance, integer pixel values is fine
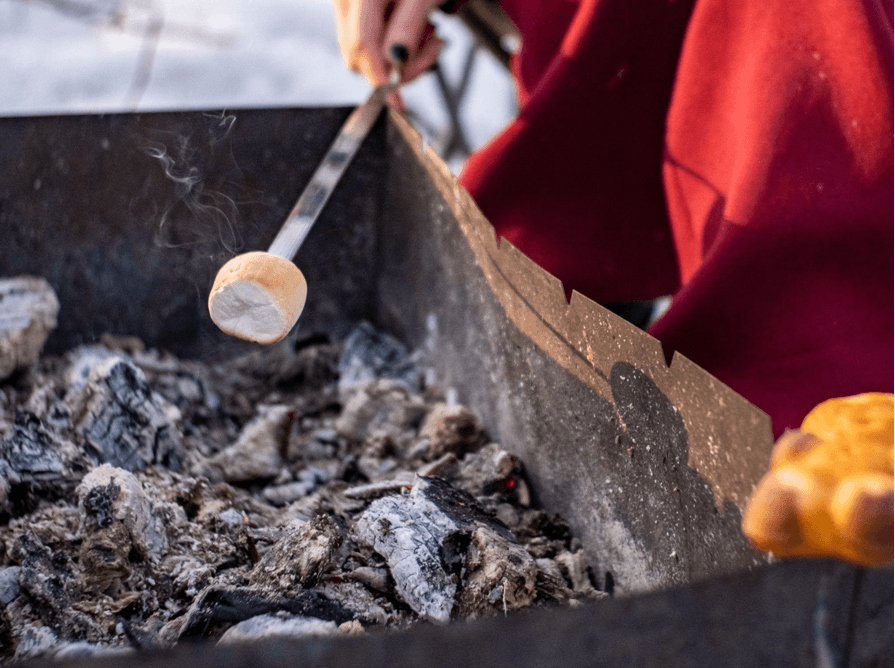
(310, 488)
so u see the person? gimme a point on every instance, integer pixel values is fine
(735, 155)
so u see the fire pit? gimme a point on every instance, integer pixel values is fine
(129, 216)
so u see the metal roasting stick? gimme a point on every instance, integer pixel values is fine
(340, 154)
(259, 296)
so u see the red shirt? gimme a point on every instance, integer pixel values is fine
(737, 155)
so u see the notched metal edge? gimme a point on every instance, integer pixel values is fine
(730, 439)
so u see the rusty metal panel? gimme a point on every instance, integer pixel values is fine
(651, 463)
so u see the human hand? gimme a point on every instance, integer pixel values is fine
(367, 29)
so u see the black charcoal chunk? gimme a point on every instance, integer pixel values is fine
(416, 534)
(299, 558)
(380, 406)
(451, 429)
(123, 422)
(365, 606)
(499, 576)
(489, 470)
(82, 361)
(218, 606)
(47, 580)
(9, 584)
(37, 456)
(98, 503)
(257, 453)
(370, 353)
(457, 504)
(117, 525)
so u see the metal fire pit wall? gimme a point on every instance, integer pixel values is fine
(129, 217)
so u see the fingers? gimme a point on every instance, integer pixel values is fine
(372, 17)
(424, 58)
(408, 25)
(360, 25)
(367, 29)
(348, 25)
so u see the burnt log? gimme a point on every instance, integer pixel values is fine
(122, 421)
(423, 538)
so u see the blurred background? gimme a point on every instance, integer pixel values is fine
(85, 56)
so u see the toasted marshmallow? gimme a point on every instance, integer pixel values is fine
(257, 297)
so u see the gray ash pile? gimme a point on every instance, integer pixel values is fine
(309, 488)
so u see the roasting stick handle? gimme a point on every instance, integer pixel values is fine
(343, 149)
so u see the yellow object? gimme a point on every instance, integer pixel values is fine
(829, 492)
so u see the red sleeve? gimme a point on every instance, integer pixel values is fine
(778, 173)
(575, 181)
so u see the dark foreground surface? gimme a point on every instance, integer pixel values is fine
(796, 614)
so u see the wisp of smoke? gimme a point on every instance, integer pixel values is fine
(213, 213)
(220, 130)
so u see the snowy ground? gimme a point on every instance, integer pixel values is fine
(81, 56)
